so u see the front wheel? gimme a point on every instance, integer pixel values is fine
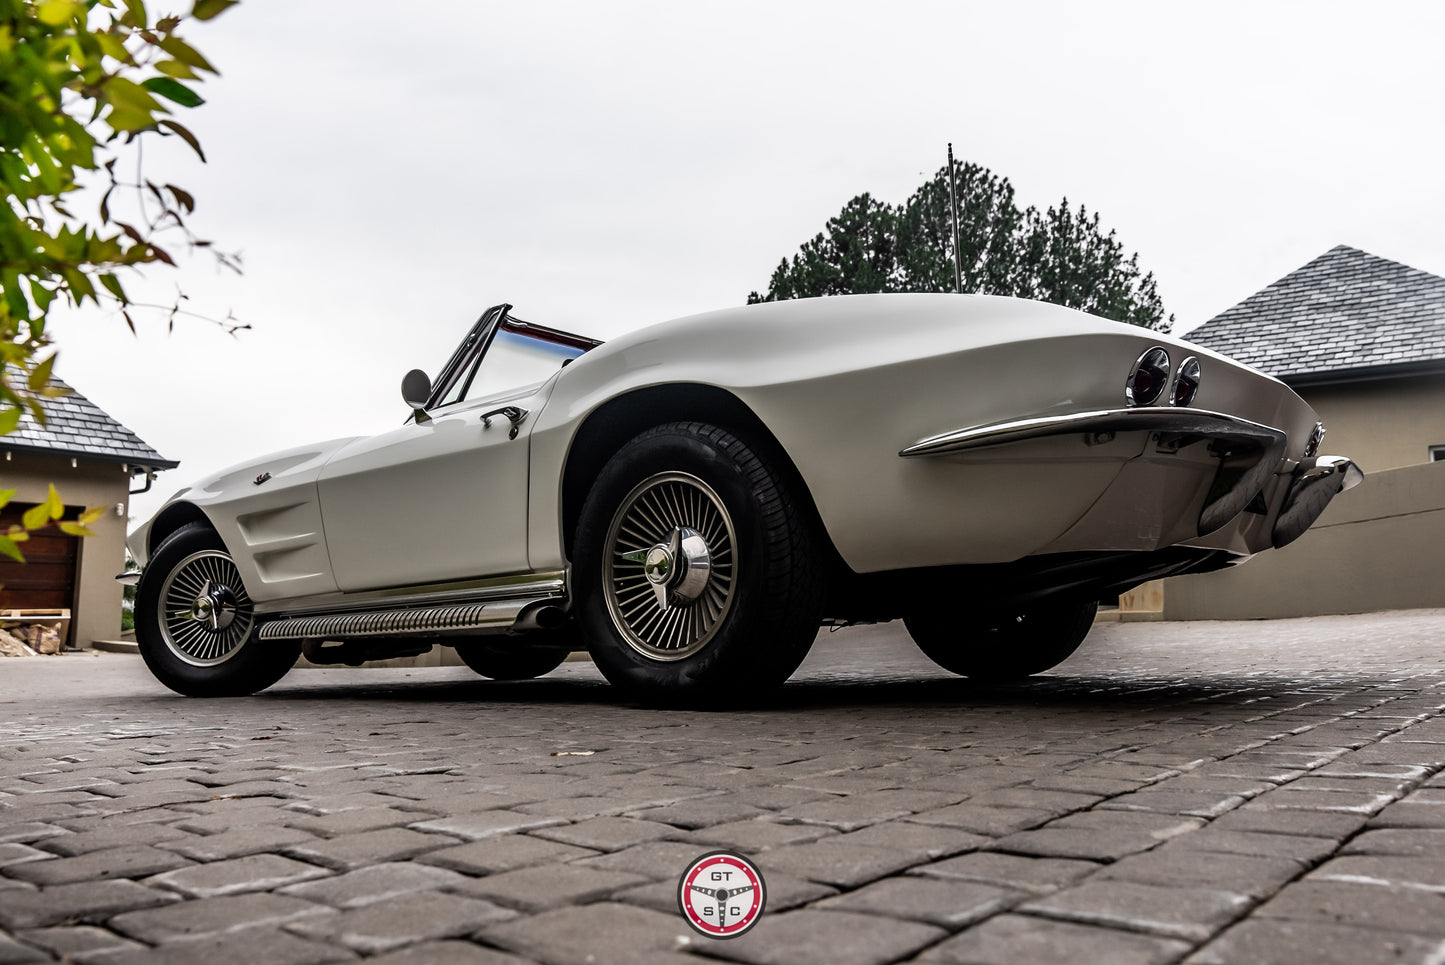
(697, 572)
(1010, 645)
(194, 623)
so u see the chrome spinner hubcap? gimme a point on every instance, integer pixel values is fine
(670, 568)
(205, 614)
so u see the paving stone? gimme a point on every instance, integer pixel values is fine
(840, 865)
(1274, 942)
(257, 872)
(596, 934)
(1036, 798)
(76, 942)
(1347, 802)
(607, 834)
(235, 844)
(332, 803)
(1315, 824)
(1395, 909)
(214, 916)
(14, 853)
(752, 836)
(386, 925)
(446, 953)
(701, 813)
(12, 951)
(1025, 940)
(85, 901)
(1425, 873)
(369, 847)
(237, 815)
(486, 824)
(1193, 914)
(262, 944)
(1099, 835)
(1256, 877)
(111, 836)
(1253, 843)
(28, 831)
(869, 808)
(665, 860)
(982, 819)
(826, 938)
(919, 840)
(1415, 842)
(1202, 804)
(352, 821)
(1018, 872)
(1408, 814)
(129, 862)
(375, 883)
(946, 902)
(543, 888)
(503, 853)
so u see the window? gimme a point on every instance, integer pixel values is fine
(1437, 453)
(506, 355)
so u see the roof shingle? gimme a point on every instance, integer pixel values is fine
(1345, 311)
(76, 426)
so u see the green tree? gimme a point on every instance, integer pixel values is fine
(1060, 255)
(82, 84)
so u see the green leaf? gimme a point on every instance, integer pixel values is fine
(36, 516)
(56, 13)
(9, 419)
(8, 547)
(87, 517)
(186, 54)
(174, 68)
(75, 529)
(112, 285)
(53, 503)
(174, 90)
(5, 497)
(40, 375)
(206, 9)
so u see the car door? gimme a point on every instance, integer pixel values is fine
(444, 497)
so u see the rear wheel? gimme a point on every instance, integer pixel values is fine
(1010, 645)
(194, 623)
(696, 572)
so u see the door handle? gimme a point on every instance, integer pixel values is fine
(513, 413)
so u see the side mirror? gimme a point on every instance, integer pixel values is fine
(416, 389)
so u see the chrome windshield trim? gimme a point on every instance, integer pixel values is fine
(1156, 419)
(473, 591)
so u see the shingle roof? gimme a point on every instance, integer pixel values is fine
(1344, 312)
(76, 426)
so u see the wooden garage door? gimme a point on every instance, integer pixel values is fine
(47, 577)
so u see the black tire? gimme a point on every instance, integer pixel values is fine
(512, 659)
(190, 655)
(759, 605)
(1007, 646)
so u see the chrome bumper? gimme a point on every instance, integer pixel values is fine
(1315, 483)
(128, 579)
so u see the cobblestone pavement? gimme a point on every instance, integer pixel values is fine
(1205, 793)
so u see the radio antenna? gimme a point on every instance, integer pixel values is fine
(953, 210)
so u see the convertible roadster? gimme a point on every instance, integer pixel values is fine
(692, 501)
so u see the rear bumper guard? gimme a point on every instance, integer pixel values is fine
(1315, 483)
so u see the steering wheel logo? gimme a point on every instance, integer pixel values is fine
(721, 894)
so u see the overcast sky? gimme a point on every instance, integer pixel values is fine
(390, 170)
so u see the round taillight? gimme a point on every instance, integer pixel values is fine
(1148, 378)
(1186, 382)
(1317, 436)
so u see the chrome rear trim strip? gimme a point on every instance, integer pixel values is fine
(1201, 422)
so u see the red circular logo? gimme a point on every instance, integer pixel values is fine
(721, 894)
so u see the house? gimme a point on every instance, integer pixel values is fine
(1362, 340)
(91, 459)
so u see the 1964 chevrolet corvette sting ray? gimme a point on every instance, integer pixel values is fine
(692, 501)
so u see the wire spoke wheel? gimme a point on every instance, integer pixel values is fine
(670, 566)
(204, 614)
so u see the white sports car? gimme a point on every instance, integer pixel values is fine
(692, 501)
